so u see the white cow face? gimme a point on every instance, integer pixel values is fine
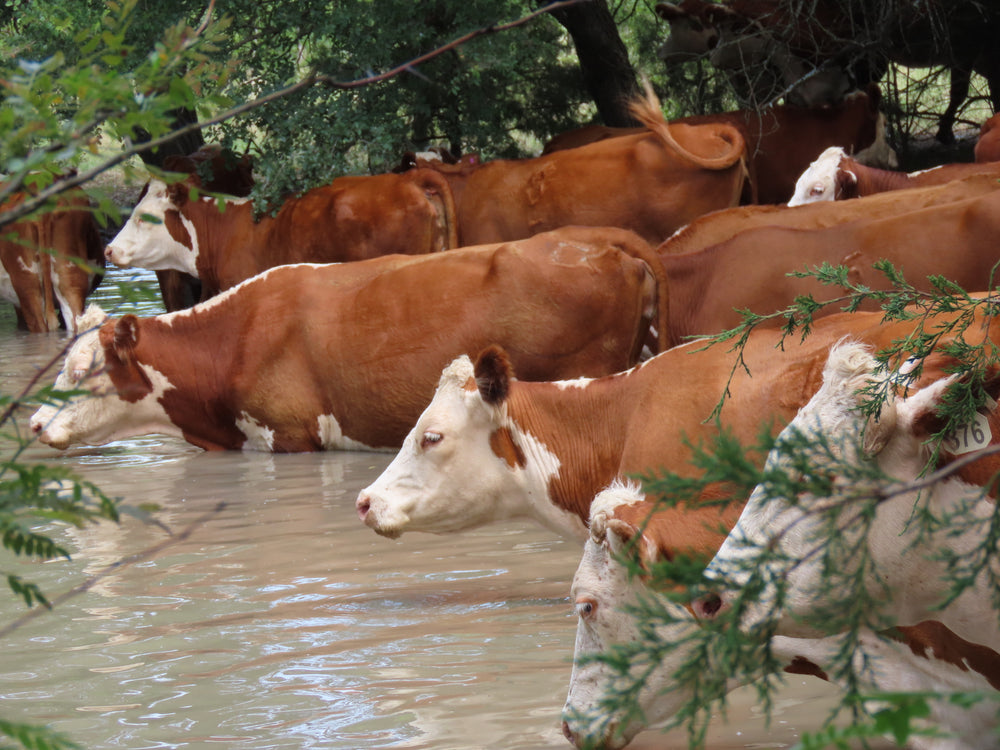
(453, 472)
(819, 181)
(602, 592)
(145, 242)
(795, 527)
(97, 416)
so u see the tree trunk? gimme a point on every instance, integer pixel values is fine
(607, 72)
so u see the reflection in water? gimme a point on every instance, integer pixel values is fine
(281, 622)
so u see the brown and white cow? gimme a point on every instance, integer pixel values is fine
(751, 271)
(353, 218)
(51, 263)
(835, 176)
(490, 447)
(781, 141)
(652, 182)
(899, 559)
(720, 226)
(624, 522)
(345, 356)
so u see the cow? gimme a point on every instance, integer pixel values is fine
(751, 271)
(781, 140)
(624, 521)
(916, 528)
(652, 182)
(309, 357)
(987, 148)
(218, 170)
(222, 244)
(51, 262)
(827, 39)
(720, 226)
(490, 447)
(759, 71)
(836, 176)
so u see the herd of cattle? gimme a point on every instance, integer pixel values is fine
(520, 332)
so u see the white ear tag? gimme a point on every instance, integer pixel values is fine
(972, 436)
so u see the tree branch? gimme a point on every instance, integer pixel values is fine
(60, 186)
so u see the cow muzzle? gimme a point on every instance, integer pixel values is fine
(373, 515)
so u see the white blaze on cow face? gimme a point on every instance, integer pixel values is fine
(145, 242)
(448, 475)
(819, 181)
(98, 416)
(602, 592)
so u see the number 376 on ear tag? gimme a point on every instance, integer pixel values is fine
(969, 437)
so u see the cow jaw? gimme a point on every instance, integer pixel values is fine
(147, 243)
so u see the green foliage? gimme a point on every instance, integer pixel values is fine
(35, 738)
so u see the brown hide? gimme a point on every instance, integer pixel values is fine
(955, 240)
(987, 148)
(353, 218)
(645, 419)
(720, 226)
(366, 341)
(639, 182)
(781, 141)
(857, 180)
(64, 239)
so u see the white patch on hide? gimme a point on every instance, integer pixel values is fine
(258, 436)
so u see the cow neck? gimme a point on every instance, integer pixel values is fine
(225, 240)
(585, 428)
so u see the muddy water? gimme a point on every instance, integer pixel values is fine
(265, 616)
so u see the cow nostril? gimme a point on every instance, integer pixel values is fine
(708, 606)
(567, 732)
(36, 427)
(363, 505)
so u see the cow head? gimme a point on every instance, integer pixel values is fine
(157, 236)
(781, 544)
(602, 593)
(465, 463)
(824, 179)
(690, 36)
(113, 395)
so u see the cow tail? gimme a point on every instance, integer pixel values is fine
(436, 184)
(45, 251)
(649, 255)
(648, 111)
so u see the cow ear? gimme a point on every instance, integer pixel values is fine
(178, 193)
(622, 534)
(878, 431)
(493, 375)
(668, 11)
(126, 337)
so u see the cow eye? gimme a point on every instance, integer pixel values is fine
(429, 439)
(816, 190)
(585, 608)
